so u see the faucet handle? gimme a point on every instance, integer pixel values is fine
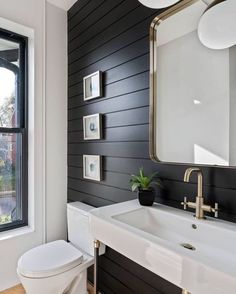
(185, 203)
(215, 210)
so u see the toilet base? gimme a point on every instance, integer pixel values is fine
(73, 281)
(56, 285)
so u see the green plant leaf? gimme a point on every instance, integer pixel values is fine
(141, 172)
(135, 186)
(144, 182)
(135, 178)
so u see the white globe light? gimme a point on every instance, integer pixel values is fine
(158, 3)
(217, 26)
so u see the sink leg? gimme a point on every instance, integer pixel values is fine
(184, 291)
(96, 254)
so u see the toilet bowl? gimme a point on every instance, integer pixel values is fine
(60, 267)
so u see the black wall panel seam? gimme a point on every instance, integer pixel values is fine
(204, 185)
(127, 277)
(108, 55)
(88, 194)
(87, 15)
(118, 111)
(104, 57)
(113, 67)
(115, 278)
(92, 24)
(113, 36)
(123, 157)
(108, 84)
(84, 70)
(106, 141)
(106, 128)
(130, 271)
(105, 185)
(72, 13)
(105, 170)
(94, 101)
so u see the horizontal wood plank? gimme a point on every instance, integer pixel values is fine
(113, 37)
(135, 49)
(129, 117)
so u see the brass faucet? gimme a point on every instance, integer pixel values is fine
(199, 205)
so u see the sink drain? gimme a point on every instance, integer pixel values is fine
(188, 246)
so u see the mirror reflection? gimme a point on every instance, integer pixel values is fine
(194, 94)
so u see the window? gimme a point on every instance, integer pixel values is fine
(13, 131)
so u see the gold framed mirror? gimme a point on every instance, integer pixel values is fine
(192, 92)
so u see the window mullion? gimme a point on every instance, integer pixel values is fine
(11, 130)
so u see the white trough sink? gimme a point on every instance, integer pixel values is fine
(197, 255)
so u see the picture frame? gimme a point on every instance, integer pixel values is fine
(92, 167)
(92, 86)
(92, 127)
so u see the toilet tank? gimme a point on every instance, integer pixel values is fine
(78, 227)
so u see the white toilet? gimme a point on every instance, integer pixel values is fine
(60, 267)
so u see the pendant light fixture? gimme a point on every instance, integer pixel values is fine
(158, 3)
(217, 26)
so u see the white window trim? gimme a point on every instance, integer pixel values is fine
(36, 163)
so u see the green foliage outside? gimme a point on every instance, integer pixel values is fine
(7, 110)
(7, 182)
(7, 168)
(5, 219)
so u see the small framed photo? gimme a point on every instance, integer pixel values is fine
(92, 126)
(92, 167)
(92, 85)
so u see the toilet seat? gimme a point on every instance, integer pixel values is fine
(49, 260)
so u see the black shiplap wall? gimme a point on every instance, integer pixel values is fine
(113, 36)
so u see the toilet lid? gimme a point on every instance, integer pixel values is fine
(49, 259)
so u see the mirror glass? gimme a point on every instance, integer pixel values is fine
(193, 93)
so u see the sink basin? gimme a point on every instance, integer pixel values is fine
(197, 255)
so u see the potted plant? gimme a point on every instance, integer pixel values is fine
(144, 185)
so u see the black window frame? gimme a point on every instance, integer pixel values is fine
(23, 126)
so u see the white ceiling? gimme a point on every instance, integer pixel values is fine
(64, 4)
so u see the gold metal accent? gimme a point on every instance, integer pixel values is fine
(187, 175)
(184, 291)
(188, 246)
(96, 243)
(153, 71)
(214, 3)
(199, 205)
(153, 77)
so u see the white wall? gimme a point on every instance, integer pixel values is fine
(56, 121)
(47, 184)
(63, 4)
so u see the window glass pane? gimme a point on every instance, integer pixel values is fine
(9, 83)
(10, 185)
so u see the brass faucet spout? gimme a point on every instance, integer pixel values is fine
(187, 175)
(199, 205)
